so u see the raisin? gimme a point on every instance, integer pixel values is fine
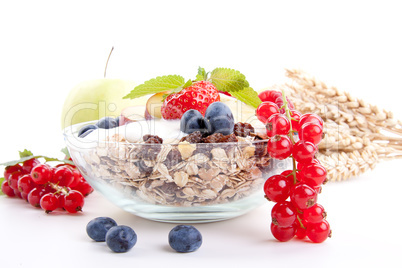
(195, 137)
(173, 158)
(214, 138)
(243, 129)
(229, 138)
(153, 138)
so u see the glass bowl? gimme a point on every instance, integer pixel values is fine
(182, 182)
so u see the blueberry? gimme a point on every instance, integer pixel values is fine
(219, 119)
(121, 238)
(107, 122)
(98, 227)
(185, 238)
(85, 130)
(191, 121)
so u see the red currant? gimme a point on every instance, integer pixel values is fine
(311, 132)
(269, 95)
(304, 151)
(34, 196)
(11, 169)
(314, 174)
(279, 102)
(49, 202)
(25, 184)
(277, 124)
(77, 178)
(295, 115)
(28, 165)
(303, 196)
(300, 166)
(283, 214)
(311, 118)
(318, 232)
(63, 175)
(280, 147)
(41, 174)
(277, 188)
(265, 110)
(73, 201)
(283, 234)
(5, 188)
(314, 214)
(301, 231)
(84, 188)
(13, 180)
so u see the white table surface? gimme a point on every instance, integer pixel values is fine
(47, 48)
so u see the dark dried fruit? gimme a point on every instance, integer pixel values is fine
(144, 169)
(152, 139)
(243, 129)
(173, 158)
(229, 138)
(195, 137)
(214, 138)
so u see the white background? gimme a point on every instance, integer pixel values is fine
(46, 48)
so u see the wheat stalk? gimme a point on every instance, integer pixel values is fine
(358, 135)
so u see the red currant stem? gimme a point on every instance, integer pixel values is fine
(58, 188)
(300, 222)
(287, 112)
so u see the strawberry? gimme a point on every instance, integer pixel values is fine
(198, 96)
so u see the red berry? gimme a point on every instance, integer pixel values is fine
(304, 151)
(311, 132)
(34, 196)
(25, 184)
(73, 201)
(318, 232)
(265, 110)
(41, 174)
(49, 202)
(314, 214)
(6, 189)
(277, 124)
(300, 166)
(28, 165)
(277, 188)
(279, 102)
(301, 231)
(269, 95)
(295, 115)
(314, 174)
(13, 180)
(283, 214)
(311, 118)
(198, 96)
(63, 176)
(283, 234)
(303, 196)
(77, 178)
(280, 147)
(11, 169)
(84, 188)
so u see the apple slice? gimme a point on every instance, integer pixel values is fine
(132, 114)
(154, 105)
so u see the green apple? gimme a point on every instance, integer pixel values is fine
(94, 99)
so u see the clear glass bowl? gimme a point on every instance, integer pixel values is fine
(181, 183)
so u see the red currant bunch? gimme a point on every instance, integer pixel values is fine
(47, 187)
(291, 134)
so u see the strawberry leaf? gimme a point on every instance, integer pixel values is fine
(247, 95)
(228, 80)
(202, 75)
(172, 83)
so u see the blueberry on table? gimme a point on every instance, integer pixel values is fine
(219, 119)
(107, 122)
(185, 238)
(98, 227)
(85, 130)
(191, 121)
(121, 238)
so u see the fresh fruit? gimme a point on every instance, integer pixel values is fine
(107, 123)
(198, 96)
(98, 227)
(219, 119)
(154, 104)
(296, 212)
(92, 100)
(41, 174)
(132, 114)
(192, 121)
(6, 189)
(275, 97)
(73, 201)
(49, 202)
(85, 130)
(265, 110)
(121, 238)
(185, 238)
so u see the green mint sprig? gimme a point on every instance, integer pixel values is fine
(224, 79)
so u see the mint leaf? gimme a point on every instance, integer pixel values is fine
(188, 83)
(228, 80)
(202, 75)
(66, 152)
(247, 95)
(25, 153)
(173, 83)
